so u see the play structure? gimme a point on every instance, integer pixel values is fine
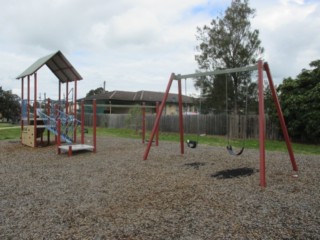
(260, 67)
(58, 117)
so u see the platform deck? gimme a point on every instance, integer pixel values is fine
(76, 147)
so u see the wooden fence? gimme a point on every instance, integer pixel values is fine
(238, 126)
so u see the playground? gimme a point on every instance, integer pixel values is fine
(200, 192)
(113, 194)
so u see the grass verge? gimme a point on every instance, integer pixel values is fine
(14, 133)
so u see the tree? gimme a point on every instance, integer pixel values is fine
(9, 105)
(300, 101)
(228, 43)
(133, 118)
(95, 92)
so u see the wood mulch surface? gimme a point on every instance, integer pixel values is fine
(114, 194)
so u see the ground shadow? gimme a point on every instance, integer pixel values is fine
(232, 173)
(195, 165)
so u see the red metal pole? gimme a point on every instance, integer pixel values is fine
(157, 132)
(35, 110)
(82, 122)
(281, 118)
(28, 105)
(59, 92)
(143, 121)
(56, 117)
(67, 97)
(70, 151)
(48, 111)
(261, 126)
(59, 136)
(94, 126)
(156, 123)
(180, 118)
(75, 110)
(21, 111)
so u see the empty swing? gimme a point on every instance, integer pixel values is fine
(229, 146)
(193, 143)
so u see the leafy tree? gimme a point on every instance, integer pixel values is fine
(9, 105)
(300, 101)
(133, 118)
(228, 43)
(95, 92)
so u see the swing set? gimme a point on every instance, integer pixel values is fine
(194, 143)
(260, 67)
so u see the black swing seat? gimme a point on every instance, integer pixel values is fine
(231, 152)
(191, 144)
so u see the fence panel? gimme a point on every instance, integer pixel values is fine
(211, 124)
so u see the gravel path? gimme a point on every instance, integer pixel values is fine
(114, 194)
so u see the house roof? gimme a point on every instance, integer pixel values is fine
(140, 96)
(58, 64)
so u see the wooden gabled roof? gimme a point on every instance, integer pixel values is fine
(59, 66)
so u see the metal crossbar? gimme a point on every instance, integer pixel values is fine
(217, 72)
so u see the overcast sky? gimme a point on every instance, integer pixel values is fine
(135, 45)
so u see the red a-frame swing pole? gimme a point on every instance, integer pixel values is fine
(157, 132)
(156, 123)
(261, 126)
(281, 118)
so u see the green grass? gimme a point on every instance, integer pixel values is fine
(14, 133)
(9, 133)
(220, 141)
(5, 125)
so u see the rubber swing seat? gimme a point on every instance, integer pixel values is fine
(231, 152)
(191, 144)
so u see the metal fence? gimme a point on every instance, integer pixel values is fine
(237, 125)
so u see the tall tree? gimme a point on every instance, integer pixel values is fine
(95, 91)
(300, 101)
(228, 43)
(9, 105)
